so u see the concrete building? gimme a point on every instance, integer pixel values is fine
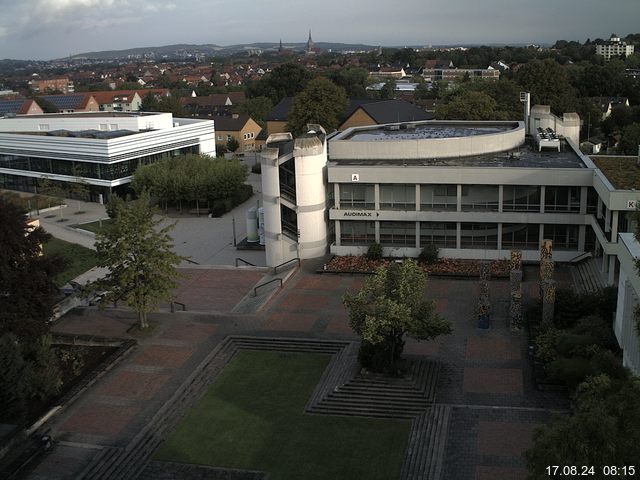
(614, 47)
(625, 322)
(473, 189)
(101, 150)
(62, 84)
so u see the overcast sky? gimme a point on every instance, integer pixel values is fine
(47, 29)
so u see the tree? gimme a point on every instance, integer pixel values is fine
(468, 105)
(630, 141)
(388, 307)
(284, 81)
(232, 144)
(388, 90)
(548, 82)
(149, 103)
(603, 430)
(27, 290)
(354, 80)
(257, 108)
(321, 102)
(139, 256)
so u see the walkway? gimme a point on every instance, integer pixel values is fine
(484, 384)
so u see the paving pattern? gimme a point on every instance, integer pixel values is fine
(483, 393)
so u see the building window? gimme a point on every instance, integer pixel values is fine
(480, 198)
(398, 234)
(564, 237)
(562, 199)
(289, 220)
(521, 199)
(398, 197)
(438, 197)
(357, 233)
(221, 138)
(523, 236)
(440, 234)
(357, 196)
(479, 236)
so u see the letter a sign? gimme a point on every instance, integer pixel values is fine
(355, 177)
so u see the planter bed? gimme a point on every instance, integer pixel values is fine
(445, 267)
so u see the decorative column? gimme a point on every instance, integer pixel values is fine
(547, 284)
(484, 304)
(515, 283)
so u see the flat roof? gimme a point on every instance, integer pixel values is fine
(622, 172)
(526, 156)
(88, 114)
(432, 130)
(98, 134)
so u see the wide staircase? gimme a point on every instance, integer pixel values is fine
(587, 277)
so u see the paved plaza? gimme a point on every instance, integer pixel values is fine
(485, 378)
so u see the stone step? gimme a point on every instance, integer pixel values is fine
(364, 412)
(351, 391)
(424, 458)
(337, 398)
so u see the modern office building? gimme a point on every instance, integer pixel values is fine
(473, 189)
(99, 149)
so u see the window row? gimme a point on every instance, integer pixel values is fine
(444, 235)
(515, 198)
(103, 171)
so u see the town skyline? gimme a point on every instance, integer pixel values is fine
(52, 29)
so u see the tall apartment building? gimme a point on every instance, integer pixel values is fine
(614, 47)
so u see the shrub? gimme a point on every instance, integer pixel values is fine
(241, 195)
(374, 252)
(429, 254)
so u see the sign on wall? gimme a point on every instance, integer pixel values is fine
(355, 177)
(631, 204)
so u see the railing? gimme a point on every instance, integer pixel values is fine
(173, 306)
(238, 259)
(275, 269)
(582, 256)
(255, 289)
(191, 261)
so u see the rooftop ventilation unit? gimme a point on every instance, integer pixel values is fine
(392, 127)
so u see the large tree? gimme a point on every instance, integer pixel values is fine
(389, 306)
(603, 430)
(27, 290)
(548, 82)
(284, 81)
(469, 105)
(140, 258)
(321, 102)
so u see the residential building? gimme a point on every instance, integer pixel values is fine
(216, 104)
(279, 115)
(241, 127)
(377, 112)
(119, 100)
(75, 102)
(607, 104)
(62, 84)
(99, 149)
(20, 106)
(614, 47)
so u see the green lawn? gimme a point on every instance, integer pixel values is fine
(94, 226)
(252, 418)
(78, 259)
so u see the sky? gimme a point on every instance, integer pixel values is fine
(49, 29)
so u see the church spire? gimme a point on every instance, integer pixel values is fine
(310, 45)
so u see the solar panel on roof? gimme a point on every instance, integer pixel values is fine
(10, 106)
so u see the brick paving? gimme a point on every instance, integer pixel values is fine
(485, 376)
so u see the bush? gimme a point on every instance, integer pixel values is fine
(375, 357)
(429, 254)
(241, 195)
(374, 252)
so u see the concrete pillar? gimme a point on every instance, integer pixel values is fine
(377, 231)
(500, 201)
(612, 270)
(541, 236)
(417, 234)
(271, 204)
(338, 231)
(336, 194)
(614, 226)
(459, 199)
(607, 221)
(500, 228)
(417, 197)
(583, 200)
(458, 234)
(599, 208)
(376, 197)
(582, 235)
(542, 198)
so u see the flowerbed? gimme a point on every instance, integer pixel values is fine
(444, 266)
